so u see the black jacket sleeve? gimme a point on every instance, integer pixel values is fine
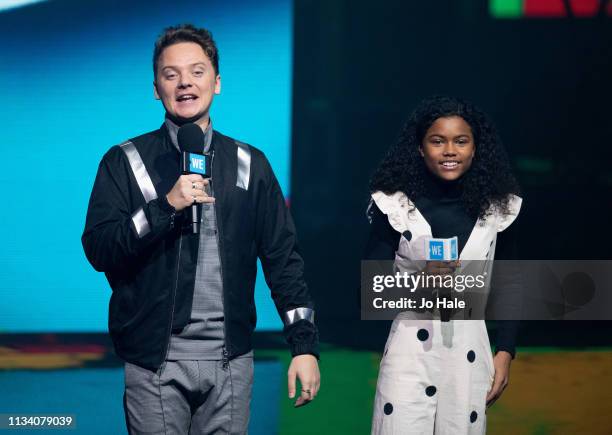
(283, 266)
(110, 239)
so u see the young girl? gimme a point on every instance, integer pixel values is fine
(447, 176)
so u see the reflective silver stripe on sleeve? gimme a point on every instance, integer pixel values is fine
(139, 219)
(140, 171)
(244, 166)
(300, 313)
(141, 224)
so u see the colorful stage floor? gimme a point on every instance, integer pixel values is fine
(552, 391)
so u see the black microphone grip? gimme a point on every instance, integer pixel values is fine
(190, 138)
(195, 208)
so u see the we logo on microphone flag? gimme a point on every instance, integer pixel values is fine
(197, 164)
(441, 249)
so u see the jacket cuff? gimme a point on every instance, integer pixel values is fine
(165, 205)
(305, 349)
(303, 338)
(161, 215)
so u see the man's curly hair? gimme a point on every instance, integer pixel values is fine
(489, 179)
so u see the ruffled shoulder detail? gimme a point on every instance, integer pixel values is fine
(504, 220)
(396, 207)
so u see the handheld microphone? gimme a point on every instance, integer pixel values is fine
(190, 139)
(441, 249)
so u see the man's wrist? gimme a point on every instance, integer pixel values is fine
(306, 354)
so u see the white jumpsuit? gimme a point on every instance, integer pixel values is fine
(434, 376)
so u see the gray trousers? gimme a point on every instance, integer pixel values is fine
(189, 397)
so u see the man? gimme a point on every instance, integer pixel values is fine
(182, 309)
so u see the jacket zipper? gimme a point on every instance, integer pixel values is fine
(223, 289)
(178, 266)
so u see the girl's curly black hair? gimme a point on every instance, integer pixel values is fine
(489, 179)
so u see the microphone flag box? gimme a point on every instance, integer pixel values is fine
(441, 249)
(197, 163)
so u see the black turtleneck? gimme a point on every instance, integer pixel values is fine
(442, 208)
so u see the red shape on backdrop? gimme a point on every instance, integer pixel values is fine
(545, 8)
(585, 8)
(609, 8)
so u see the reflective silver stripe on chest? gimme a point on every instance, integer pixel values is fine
(139, 219)
(244, 166)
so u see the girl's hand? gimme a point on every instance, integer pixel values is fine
(501, 362)
(441, 267)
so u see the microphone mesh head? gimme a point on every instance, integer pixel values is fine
(190, 138)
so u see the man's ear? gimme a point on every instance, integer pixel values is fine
(421, 152)
(155, 93)
(218, 84)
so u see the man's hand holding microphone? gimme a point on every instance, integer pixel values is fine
(188, 190)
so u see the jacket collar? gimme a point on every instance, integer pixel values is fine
(173, 129)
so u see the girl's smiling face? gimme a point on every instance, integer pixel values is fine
(448, 147)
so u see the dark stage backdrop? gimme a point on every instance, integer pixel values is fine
(360, 68)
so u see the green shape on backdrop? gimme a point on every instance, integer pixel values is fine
(506, 8)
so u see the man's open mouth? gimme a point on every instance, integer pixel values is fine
(187, 97)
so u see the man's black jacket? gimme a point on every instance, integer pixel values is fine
(149, 254)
